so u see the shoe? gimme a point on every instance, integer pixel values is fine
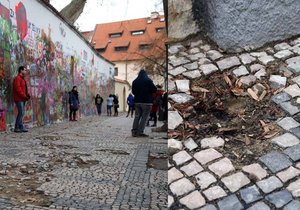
(17, 131)
(143, 135)
(127, 116)
(154, 125)
(134, 135)
(24, 131)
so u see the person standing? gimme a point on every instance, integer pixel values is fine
(130, 103)
(109, 102)
(21, 95)
(116, 105)
(98, 103)
(74, 103)
(157, 97)
(143, 89)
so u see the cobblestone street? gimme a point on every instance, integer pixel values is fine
(90, 164)
(224, 162)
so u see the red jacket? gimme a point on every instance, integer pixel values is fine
(156, 97)
(20, 91)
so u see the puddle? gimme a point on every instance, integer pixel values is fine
(158, 161)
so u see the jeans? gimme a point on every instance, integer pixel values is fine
(142, 112)
(21, 111)
(109, 110)
(130, 109)
(99, 106)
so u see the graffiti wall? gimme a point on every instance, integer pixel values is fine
(57, 58)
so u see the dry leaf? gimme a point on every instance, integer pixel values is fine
(263, 94)
(247, 140)
(271, 135)
(252, 94)
(227, 79)
(237, 91)
(238, 83)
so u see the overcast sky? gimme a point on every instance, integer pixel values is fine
(103, 11)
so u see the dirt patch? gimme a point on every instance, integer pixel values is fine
(224, 110)
(158, 161)
(116, 152)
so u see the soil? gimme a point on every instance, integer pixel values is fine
(245, 124)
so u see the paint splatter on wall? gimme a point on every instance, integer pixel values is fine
(54, 67)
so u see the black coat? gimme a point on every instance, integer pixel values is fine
(143, 88)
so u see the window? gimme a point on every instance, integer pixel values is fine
(101, 50)
(116, 71)
(121, 49)
(115, 35)
(144, 46)
(159, 29)
(134, 33)
(162, 20)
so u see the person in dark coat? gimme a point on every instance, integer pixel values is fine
(21, 95)
(142, 89)
(155, 107)
(130, 103)
(98, 103)
(74, 103)
(116, 105)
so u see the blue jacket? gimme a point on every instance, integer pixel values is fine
(130, 100)
(143, 88)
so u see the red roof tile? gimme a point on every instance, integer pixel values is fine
(102, 39)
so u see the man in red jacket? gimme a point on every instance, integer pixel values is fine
(20, 93)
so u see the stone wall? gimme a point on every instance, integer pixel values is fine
(240, 24)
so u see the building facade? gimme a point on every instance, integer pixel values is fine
(33, 34)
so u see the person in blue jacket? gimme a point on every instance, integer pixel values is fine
(142, 89)
(130, 103)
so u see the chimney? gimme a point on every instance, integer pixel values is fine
(154, 15)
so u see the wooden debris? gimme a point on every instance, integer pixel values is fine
(252, 94)
(227, 79)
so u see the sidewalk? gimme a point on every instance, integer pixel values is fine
(90, 164)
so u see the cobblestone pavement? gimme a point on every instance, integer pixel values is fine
(200, 174)
(90, 164)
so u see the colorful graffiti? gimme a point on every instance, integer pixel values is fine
(53, 71)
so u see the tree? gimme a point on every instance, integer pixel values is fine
(72, 11)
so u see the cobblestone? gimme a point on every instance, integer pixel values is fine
(288, 123)
(256, 171)
(221, 167)
(181, 157)
(183, 85)
(193, 200)
(230, 203)
(259, 206)
(181, 187)
(294, 188)
(212, 142)
(205, 179)
(288, 174)
(293, 152)
(279, 199)
(270, 184)
(235, 181)
(192, 168)
(214, 193)
(174, 174)
(250, 194)
(205, 156)
(292, 205)
(286, 140)
(190, 144)
(228, 63)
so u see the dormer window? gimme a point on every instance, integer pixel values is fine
(115, 35)
(135, 33)
(121, 49)
(159, 29)
(144, 46)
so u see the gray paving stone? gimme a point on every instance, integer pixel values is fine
(288, 174)
(214, 193)
(192, 74)
(208, 69)
(288, 123)
(281, 97)
(221, 167)
(258, 54)
(266, 59)
(175, 61)
(174, 174)
(240, 71)
(173, 49)
(212, 142)
(170, 201)
(181, 98)
(208, 207)
(283, 54)
(194, 50)
(214, 54)
(191, 66)
(256, 171)
(289, 108)
(228, 63)
(196, 56)
(261, 74)
(248, 80)
(181, 157)
(181, 187)
(183, 85)
(296, 79)
(190, 144)
(293, 90)
(177, 71)
(259, 206)
(250, 194)
(279, 199)
(293, 60)
(192, 168)
(203, 61)
(174, 145)
(294, 188)
(294, 67)
(282, 46)
(256, 67)
(193, 200)
(275, 161)
(174, 119)
(270, 184)
(230, 203)
(277, 81)
(205, 156)
(235, 181)
(294, 205)
(293, 152)
(205, 179)
(247, 58)
(286, 140)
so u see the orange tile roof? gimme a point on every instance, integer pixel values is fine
(88, 35)
(102, 39)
